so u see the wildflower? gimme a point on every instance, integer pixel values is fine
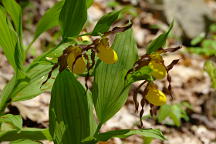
(151, 95)
(157, 66)
(155, 96)
(75, 60)
(105, 52)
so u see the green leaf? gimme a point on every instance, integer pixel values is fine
(89, 3)
(105, 22)
(210, 68)
(147, 140)
(25, 133)
(212, 28)
(49, 20)
(8, 38)
(141, 74)
(15, 12)
(159, 42)
(15, 120)
(174, 112)
(175, 115)
(211, 44)
(25, 142)
(198, 39)
(110, 90)
(163, 112)
(202, 51)
(6, 93)
(71, 114)
(72, 17)
(150, 133)
(29, 86)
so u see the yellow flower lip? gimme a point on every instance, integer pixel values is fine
(106, 53)
(155, 96)
(158, 69)
(79, 66)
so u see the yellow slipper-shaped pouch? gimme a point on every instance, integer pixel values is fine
(158, 70)
(155, 96)
(79, 67)
(106, 53)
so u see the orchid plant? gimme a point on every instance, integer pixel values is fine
(114, 66)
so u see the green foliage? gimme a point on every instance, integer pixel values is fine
(159, 42)
(25, 133)
(71, 107)
(49, 20)
(109, 95)
(11, 130)
(198, 39)
(8, 39)
(24, 142)
(146, 133)
(15, 121)
(15, 12)
(151, 133)
(204, 44)
(208, 48)
(210, 68)
(72, 17)
(105, 22)
(71, 115)
(89, 3)
(143, 73)
(212, 28)
(175, 112)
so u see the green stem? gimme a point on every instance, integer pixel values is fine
(98, 129)
(29, 46)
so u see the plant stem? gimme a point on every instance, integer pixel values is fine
(98, 129)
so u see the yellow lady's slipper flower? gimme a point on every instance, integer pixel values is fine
(156, 57)
(155, 96)
(79, 66)
(106, 53)
(158, 69)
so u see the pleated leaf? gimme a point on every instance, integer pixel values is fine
(25, 133)
(105, 22)
(71, 116)
(151, 133)
(72, 17)
(15, 12)
(15, 120)
(143, 73)
(146, 133)
(159, 42)
(8, 38)
(49, 20)
(6, 93)
(25, 142)
(17, 90)
(30, 87)
(110, 90)
(89, 3)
